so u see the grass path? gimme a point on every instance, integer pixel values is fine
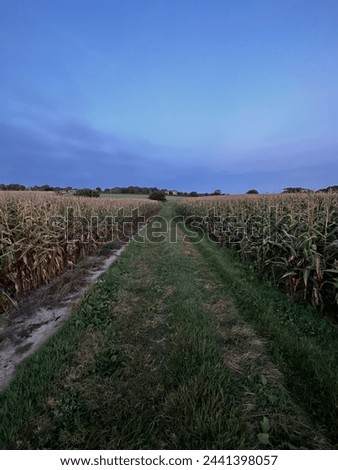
(177, 347)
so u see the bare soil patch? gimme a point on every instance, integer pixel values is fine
(41, 313)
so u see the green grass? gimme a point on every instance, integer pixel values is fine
(178, 347)
(303, 343)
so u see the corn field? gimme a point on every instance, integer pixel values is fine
(42, 234)
(294, 238)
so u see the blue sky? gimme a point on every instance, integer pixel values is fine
(185, 94)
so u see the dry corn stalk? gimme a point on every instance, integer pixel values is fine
(292, 237)
(35, 239)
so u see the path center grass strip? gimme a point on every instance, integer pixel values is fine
(157, 357)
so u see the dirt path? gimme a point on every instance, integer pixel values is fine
(40, 314)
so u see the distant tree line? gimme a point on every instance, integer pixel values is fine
(140, 190)
(146, 190)
(44, 187)
(12, 187)
(293, 190)
(114, 190)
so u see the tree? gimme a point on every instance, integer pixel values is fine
(87, 192)
(293, 190)
(332, 189)
(252, 191)
(12, 187)
(217, 192)
(157, 196)
(193, 194)
(46, 187)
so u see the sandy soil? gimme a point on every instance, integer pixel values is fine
(41, 313)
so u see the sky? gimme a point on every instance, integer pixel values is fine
(194, 95)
